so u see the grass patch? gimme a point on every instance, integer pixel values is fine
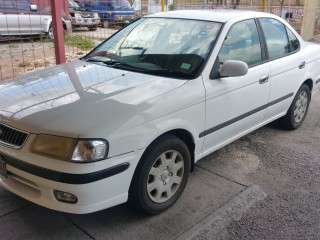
(13, 45)
(84, 43)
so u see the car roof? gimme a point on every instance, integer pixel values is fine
(216, 15)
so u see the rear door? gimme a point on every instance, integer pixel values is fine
(30, 20)
(9, 20)
(287, 65)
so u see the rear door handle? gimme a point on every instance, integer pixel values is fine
(264, 79)
(302, 65)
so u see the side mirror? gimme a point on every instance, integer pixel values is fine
(234, 68)
(33, 7)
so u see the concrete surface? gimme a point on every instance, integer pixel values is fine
(263, 186)
(205, 194)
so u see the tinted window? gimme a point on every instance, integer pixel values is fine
(242, 43)
(276, 37)
(293, 41)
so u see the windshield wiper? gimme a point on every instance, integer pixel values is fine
(133, 67)
(115, 63)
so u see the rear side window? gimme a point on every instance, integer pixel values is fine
(293, 41)
(280, 40)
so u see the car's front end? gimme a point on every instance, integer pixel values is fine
(72, 135)
(61, 185)
(82, 18)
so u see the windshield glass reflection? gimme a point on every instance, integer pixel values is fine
(160, 46)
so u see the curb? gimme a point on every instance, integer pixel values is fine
(214, 225)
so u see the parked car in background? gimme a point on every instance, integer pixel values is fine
(129, 120)
(82, 18)
(112, 12)
(24, 18)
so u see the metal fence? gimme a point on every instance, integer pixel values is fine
(26, 42)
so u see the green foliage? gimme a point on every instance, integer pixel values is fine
(172, 6)
(84, 43)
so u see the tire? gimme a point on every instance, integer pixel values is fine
(105, 24)
(50, 32)
(161, 175)
(298, 109)
(92, 28)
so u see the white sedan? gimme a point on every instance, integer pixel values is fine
(129, 120)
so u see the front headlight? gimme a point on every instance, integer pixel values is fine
(69, 149)
(90, 150)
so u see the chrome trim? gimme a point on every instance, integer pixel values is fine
(16, 129)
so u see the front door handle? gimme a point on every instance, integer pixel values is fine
(264, 79)
(302, 65)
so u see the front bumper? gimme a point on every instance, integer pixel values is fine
(95, 191)
(85, 21)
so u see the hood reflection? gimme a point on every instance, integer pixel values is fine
(52, 98)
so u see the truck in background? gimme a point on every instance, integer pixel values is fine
(80, 17)
(111, 12)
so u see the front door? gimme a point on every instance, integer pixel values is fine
(236, 105)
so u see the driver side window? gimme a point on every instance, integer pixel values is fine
(242, 43)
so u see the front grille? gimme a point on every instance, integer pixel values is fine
(12, 137)
(87, 15)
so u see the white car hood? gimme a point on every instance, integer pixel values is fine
(71, 98)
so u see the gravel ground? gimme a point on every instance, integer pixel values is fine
(287, 168)
(21, 56)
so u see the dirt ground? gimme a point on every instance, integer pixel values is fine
(24, 55)
(21, 57)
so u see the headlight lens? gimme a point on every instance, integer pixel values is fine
(53, 146)
(90, 150)
(84, 150)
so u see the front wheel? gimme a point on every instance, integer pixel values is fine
(298, 109)
(161, 175)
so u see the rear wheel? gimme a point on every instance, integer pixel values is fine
(298, 109)
(105, 24)
(161, 175)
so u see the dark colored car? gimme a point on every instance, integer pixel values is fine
(112, 11)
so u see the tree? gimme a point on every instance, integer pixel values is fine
(281, 6)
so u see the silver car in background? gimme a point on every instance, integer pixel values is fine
(24, 18)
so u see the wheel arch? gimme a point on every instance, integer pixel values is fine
(180, 133)
(309, 83)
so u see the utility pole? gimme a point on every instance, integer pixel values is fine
(309, 18)
(56, 6)
(264, 8)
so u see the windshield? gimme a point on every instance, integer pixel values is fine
(73, 4)
(160, 46)
(121, 3)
